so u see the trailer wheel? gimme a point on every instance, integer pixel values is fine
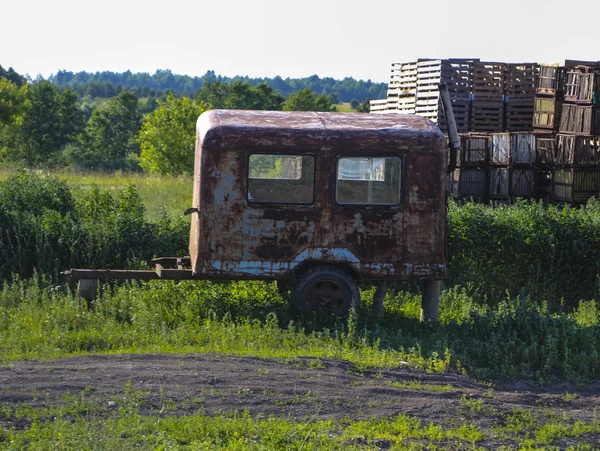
(327, 290)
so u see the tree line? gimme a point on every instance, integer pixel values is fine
(107, 84)
(44, 124)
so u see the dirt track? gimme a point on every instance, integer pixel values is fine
(303, 388)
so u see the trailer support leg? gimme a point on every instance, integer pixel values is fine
(87, 289)
(430, 303)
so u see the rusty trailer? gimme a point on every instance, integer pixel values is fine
(320, 199)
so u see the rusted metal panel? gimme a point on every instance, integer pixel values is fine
(234, 235)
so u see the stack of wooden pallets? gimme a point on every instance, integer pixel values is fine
(576, 171)
(487, 105)
(474, 164)
(512, 163)
(519, 96)
(457, 75)
(402, 89)
(548, 97)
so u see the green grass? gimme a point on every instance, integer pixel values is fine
(171, 194)
(77, 423)
(517, 338)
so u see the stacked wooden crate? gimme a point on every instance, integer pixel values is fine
(548, 97)
(519, 90)
(487, 105)
(512, 165)
(576, 176)
(402, 89)
(474, 166)
(456, 74)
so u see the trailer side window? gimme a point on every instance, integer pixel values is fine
(368, 181)
(283, 179)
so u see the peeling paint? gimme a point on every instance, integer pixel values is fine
(232, 237)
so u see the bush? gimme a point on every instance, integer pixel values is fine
(547, 252)
(44, 229)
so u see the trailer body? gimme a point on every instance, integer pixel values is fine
(277, 192)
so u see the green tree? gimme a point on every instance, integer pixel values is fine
(307, 100)
(12, 107)
(51, 120)
(167, 136)
(11, 75)
(364, 106)
(240, 96)
(109, 139)
(12, 101)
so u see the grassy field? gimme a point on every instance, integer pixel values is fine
(518, 336)
(171, 194)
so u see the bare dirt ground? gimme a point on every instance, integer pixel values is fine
(299, 389)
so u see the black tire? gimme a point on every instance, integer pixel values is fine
(326, 289)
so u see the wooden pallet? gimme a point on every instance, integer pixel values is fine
(579, 120)
(499, 186)
(487, 116)
(549, 80)
(462, 115)
(577, 151)
(522, 182)
(575, 185)
(522, 149)
(545, 150)
(500, 148)
(519, 114)
(582, 88)
(488, 81)
(545, 113)
(473, 183)
(475, 149)
(520, 80)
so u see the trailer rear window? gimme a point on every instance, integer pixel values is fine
(368, 181)
(284, 179)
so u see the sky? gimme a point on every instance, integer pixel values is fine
(265, 38)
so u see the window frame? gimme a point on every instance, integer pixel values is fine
(367, 204)
(277, 154)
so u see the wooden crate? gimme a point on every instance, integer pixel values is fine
(575, 185)
(581, 87)
(403, 79)
(510, 182)
(488, 81)
(522, 182)
(549, 80)
(462, 115)
(519, 114)
(487, 116)
(499, 187)
(579, 119)
(522, 149)
(456, 74)
(546, 113)
(473, 183)
(577, 151)
(500, 149)
(475, 149)
(545, 150)
(520, 80)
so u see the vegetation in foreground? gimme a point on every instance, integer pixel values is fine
(80, 424)
(519, 303)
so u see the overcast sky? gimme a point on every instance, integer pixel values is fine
(265, 38)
